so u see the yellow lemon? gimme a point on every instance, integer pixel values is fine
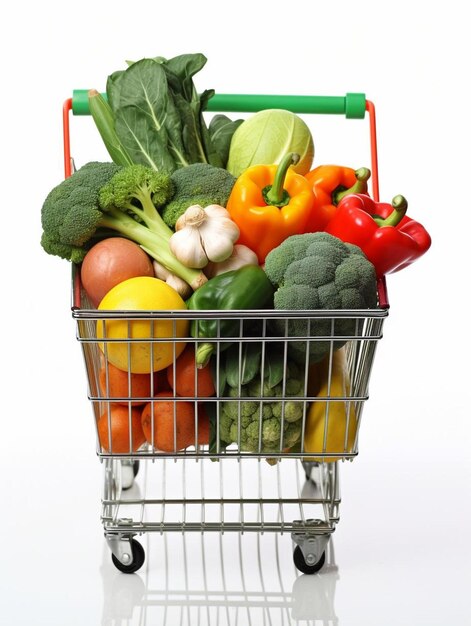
(123, 339)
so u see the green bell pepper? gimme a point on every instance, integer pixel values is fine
(245, 288)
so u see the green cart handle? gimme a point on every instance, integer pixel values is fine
(352, 105)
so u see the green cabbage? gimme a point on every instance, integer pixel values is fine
(265, 138)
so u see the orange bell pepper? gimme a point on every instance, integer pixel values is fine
(330, 183)
(270, 203)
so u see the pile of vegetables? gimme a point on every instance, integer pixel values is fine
(230, 216)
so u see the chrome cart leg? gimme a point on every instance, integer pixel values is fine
(308, 467)
(311, 540)
(127, 554)
(129, 471)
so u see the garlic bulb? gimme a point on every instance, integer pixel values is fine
(173, 280)
(241, 255)
(204, 235)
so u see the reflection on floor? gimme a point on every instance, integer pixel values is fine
(220, 580)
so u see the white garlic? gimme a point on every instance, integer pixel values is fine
(180, 286)
(204, 235)
(241, 255)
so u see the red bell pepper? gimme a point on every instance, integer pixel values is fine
(330, 183)
(389, 239)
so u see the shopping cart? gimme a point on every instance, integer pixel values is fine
(218, 487)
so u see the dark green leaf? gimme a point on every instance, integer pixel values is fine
(141, 107)
(159, 113)
(174, 128)
(144, 144)
(221, 129)
(113, 88)
(243, 363)
(196, 139)
(212, 155)
(274, 364)
(191, 132)
(218, 376)
(184, 67)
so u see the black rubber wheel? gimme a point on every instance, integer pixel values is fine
(135, 468)
(138, 558)
(298, 558)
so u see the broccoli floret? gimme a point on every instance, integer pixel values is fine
(138, 190)
(111, 197)
(197, 183)
(70, 214)
(281, 420)
(319, 271)
(291, 410)
(225, 422)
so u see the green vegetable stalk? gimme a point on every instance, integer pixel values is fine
(103, 117)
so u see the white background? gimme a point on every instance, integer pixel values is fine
(402, 547)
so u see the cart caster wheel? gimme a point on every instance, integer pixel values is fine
(138, 558)
(302, 566)
(135, 468)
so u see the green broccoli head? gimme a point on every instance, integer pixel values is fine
(137, 186)
(70, 213)
(319, 271)
(278, 422)
(292, 434)
(197, 183)
(271, 432)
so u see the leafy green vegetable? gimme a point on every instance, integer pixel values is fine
(242, 362)
(219, 376)
(274, 365)
(158, 114)
(140, 111)
(221, 131)
(266, 137)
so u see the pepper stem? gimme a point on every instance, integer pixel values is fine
(276, 194)
(360, 186)
(399, 205)
(203, 354)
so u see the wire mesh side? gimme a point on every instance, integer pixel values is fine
(267, 416)
(231, 497)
